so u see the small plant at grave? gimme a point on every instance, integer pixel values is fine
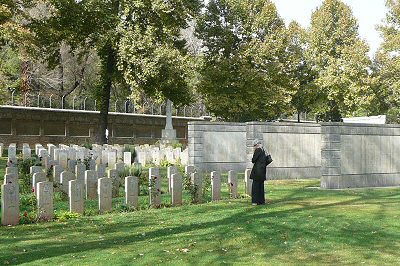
(28, 218)
(190, 188)
(87, 145)
(165, 163)
(206, 184)
(152, 185)
(24, 173)
(49, 173)
(124, 208)
(28, 202)
(178, 145)
(65, 216)
(131, 149)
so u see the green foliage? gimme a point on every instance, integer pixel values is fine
(87, 145)
(178, 145)
(24, 173)
(243, 76)
(385, 79)
(339, 56)
(65, 216)
(165, 163)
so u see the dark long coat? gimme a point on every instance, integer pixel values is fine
(258, 172)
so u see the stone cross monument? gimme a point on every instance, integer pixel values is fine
(168, 135)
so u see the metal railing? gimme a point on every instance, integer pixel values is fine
(73, 102)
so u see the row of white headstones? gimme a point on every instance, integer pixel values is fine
(105, 188)
(106, 154)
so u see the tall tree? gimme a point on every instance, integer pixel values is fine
(386, 67)
(302, 76)
(243, 76)
(340, 57)
(136, 42)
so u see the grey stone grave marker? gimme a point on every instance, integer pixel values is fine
(45, 200)
(37, 177)
(105, 194)
(197, 182)
(176, 189)
(91, 184)
(215, 186)
(170, 171)
(9, 204)
(155, 187)
(233, 184)
(76, 196)
(131, 191)
(248, 182)
(113, 175)
(65, 177)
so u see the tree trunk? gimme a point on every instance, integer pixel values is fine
(104, 99)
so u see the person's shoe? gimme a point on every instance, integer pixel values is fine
(254, 204)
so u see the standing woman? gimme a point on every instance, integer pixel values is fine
(258, 174)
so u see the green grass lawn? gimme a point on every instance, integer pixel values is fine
(299, 225)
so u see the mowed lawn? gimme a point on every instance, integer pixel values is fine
(301, 224)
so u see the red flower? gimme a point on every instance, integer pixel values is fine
(33, 189)
(25, 214)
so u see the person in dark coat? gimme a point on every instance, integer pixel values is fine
(258, 174)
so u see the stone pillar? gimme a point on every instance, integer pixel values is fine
(176, 189)
(197, 182)
(91, 184)
(248, 182)
(155, 187)
(131, 191)
(45, 200)
(76, 196)
(215, 186)
(330, 155)
(105, 194)
(233, 184)
(9, 204)
(170, 171)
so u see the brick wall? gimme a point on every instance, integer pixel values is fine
(40, 125)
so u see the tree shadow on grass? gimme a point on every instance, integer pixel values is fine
(282, 220)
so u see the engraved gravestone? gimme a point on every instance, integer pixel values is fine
(215, 186)
(131, 191)
(9, 204)
(105, 194)
(45, 200)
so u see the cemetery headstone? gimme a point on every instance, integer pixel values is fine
(12, 170)
(80, 169)
(9, 204)
(155, 187)
(57, 170)
(12, 151)
(10, 179)
(120, 167)
(248, 182)
(37, 177)
(128, 158)
(26, 153)
(112, 159)
(105, 194)
(197, 182)
(65, 177)
(170, 171)
(176, 189)
(131, 191)
(215, 186)
(189, 169)
(71, 165)
(63, 158)
(114, 177)
(76, 196)
(101, 170)
(45, 200)
(91, 184)
(233, 184)
(35, 169)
